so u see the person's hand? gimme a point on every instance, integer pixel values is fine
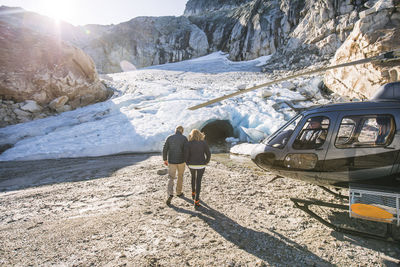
(166, 162)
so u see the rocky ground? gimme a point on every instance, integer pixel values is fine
(110, 211)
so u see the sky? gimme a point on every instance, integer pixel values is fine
(149, 103)
(82, 12)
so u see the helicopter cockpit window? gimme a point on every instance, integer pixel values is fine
(313, 134)
(365, 131)
(280, 138)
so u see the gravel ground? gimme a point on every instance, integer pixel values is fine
(111, 211)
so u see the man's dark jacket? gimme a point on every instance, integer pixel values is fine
(174, 148)
(197, 153)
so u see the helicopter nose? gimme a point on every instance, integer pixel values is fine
(258, 149)
(262, 157)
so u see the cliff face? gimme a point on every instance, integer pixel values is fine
(246, 29)
(146, 41)
(250, 29)
(195, 8)
(376, 32)
(300, 33)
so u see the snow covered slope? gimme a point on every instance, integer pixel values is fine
(147, 106)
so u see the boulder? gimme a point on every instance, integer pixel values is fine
(59, 102)
(13, 113)
(22, 114)
(31, 106)
(377, 31)
(41, 68)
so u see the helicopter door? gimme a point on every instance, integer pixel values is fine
(308, 150)
(361, 149)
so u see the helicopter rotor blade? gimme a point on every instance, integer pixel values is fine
(388, 56)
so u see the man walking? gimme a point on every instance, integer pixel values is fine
(173, 156)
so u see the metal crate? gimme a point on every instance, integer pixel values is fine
(371, 205)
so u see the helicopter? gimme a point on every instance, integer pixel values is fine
(352, 145)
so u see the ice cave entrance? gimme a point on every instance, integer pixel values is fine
(216, 131)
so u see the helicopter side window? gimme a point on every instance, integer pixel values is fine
(365, 131)
(313, 134)
(346, 130)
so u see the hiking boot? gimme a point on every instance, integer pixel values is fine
(197, 204)
(180, 195)
(193, 195)
(169, 200)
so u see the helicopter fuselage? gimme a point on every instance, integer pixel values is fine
(356, 142)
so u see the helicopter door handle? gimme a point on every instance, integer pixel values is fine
(319, 148)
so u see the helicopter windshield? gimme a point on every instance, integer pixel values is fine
(280, 138)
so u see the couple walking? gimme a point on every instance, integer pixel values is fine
(177, 152)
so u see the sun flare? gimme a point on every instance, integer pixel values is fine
(59, 10)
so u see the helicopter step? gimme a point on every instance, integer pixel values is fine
(305, 204)
(375, 204)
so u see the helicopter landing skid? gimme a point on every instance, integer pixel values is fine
(303, 204)
(340, 196)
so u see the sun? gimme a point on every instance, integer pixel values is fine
(59, 10)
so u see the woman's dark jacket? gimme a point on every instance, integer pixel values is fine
(197, 153)
(173, 149)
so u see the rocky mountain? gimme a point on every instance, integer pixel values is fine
(377, 31)
(142, 41)
(301, 32)
(195, 8)
(297, 34)
(246, 29)
(256, 28)
(43, 75)
(146, 41)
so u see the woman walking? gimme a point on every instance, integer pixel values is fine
(197, 156)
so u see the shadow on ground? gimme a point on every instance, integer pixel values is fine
(252, 241)
(15, 175)
(389, 233)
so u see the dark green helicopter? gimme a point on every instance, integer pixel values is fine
(351, 145)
